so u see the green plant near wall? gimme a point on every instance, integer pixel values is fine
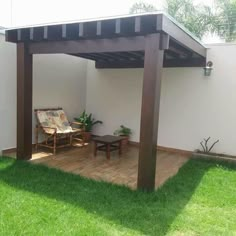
(88, 121)
(123, 131)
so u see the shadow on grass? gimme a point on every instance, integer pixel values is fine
(148, 213)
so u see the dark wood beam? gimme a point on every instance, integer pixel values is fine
(168, 63)
(153, 63)
(181, 37)
(24, 102)
(121, 44)
(189, 62)
(119, 65)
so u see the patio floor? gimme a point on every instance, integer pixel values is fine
(119, 170)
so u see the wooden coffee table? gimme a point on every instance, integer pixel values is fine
(107, 143)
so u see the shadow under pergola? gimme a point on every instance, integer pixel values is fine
(152, 213)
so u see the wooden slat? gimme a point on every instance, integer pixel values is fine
(64, 31)
(159, 23)
(7, 38)
(119, 65)
(24, 102)
(124, 56)
(99, 28)
(180, 51)
(189, 62)
(165, 42)
(31, 33)
(118, 26)
(85, 56)
(134, 56)
(81, 29)
(168, 63)
(172, 54)
(182, 37)
(19, 35)
(45, 32)
(153, 63)
(137, 27)
(121, 44)
(100, 56)
(111, 56)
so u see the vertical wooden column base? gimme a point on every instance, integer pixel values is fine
(153, 63)
(24, 102)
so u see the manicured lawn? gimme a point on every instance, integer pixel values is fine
(36, 200)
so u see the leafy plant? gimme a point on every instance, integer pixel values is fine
(123, 130)
(225, 21)
(205, 147)
(197, 18)
(140, 7)
(88, 121)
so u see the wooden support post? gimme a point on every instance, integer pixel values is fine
(24, 102)
(153, 63)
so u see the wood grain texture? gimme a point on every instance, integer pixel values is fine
(121, 44)
(24, 102)
(153, 63)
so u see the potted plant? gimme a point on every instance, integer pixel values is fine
(88, 122)
(124, 132)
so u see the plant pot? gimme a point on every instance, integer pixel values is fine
(125, 140)
(87, 136)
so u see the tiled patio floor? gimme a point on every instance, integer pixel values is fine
(121, 170)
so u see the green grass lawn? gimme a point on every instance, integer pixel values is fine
(36, 200)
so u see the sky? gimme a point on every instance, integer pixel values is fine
(29, 12)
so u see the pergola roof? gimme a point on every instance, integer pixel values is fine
(183, 50)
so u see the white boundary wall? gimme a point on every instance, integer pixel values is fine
(192, 106)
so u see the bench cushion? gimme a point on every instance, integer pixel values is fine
(54, 119)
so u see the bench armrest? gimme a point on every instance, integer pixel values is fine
(78, 123)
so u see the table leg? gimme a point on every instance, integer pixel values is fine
(95, 148)
(108, 152)
(120, 147)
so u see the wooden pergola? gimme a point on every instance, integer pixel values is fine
(150, 41)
